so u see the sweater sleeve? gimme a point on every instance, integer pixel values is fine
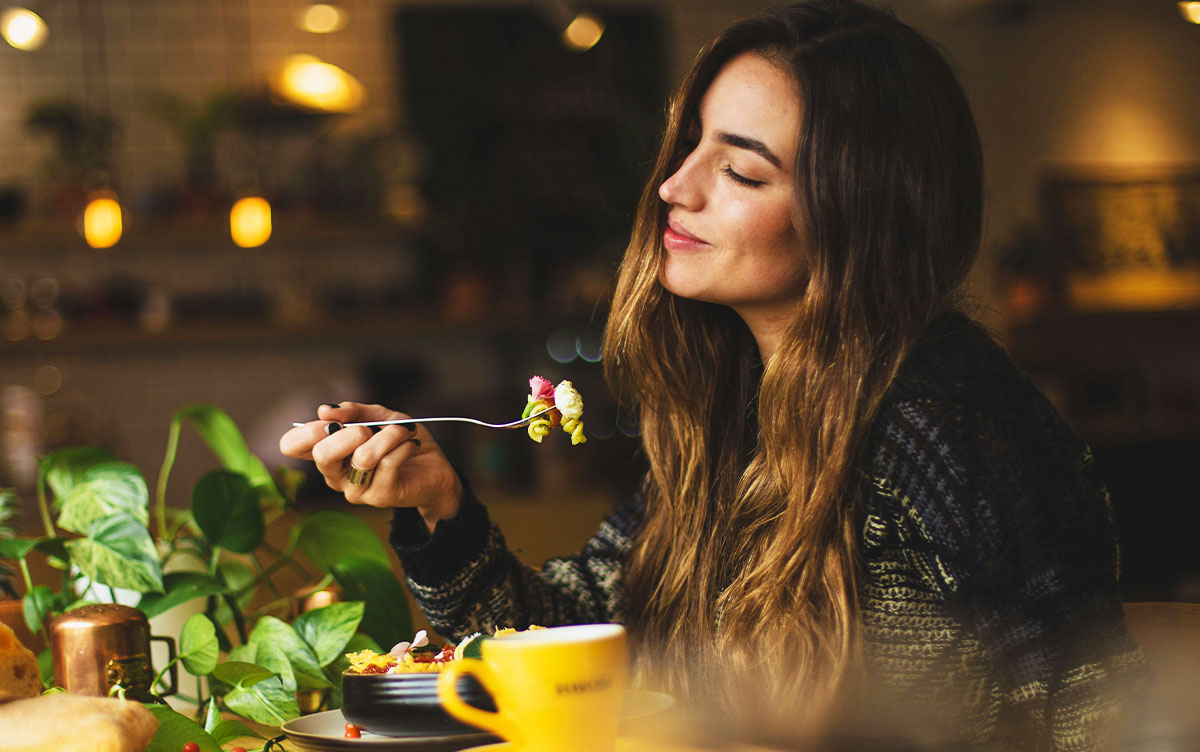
(465, 580)
(1016, 531)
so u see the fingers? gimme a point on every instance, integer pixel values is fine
(387, 486)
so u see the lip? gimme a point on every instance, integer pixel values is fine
(677, 238)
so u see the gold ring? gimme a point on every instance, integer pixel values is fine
(359, 477)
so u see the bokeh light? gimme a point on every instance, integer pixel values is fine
(102, 224)
(47, 380)
(583, 32)
(312, 83)
(560, 346)
(322, 18)
(250, 222)
(23, 29)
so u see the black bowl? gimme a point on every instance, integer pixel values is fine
(407, 704)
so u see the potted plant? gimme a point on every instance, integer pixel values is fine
(249, 656)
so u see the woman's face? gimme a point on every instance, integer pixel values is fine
(729, 237)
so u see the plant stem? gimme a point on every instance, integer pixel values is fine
(160, 493)
(43, 506)
(287, 557)
(263, 573)
(290, 599)
(239, 620)
(25, 574)
(157, 679)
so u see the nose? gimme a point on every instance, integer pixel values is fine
(683, 188)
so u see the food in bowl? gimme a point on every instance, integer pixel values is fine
(395, 693)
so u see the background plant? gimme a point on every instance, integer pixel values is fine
(108, 538)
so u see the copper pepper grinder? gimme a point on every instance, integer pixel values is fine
(103, 645)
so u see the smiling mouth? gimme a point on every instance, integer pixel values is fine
(675, 238)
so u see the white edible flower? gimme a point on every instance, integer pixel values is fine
(568, 401)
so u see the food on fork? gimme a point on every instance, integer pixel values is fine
(565, 408)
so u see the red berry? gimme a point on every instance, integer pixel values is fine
(238, 749)
(352, 731)
(191, 747)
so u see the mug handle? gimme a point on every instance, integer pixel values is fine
(173, 671)
(498, 722)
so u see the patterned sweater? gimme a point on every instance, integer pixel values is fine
(988, 563)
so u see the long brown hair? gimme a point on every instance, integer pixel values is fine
(741, 586)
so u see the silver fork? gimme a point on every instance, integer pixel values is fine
(511, 424)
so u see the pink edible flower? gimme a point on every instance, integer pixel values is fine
(540, 389)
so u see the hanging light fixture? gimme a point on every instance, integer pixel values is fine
(1190, 10)
(102, 225)
(23, 29)
(250, 222)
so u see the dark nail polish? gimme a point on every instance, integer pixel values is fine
(416, 442)
(375, 429)
(330, 404)
(333, 428)
(413, 426)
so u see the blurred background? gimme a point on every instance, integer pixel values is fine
(269, 204)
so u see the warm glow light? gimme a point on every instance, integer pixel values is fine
(23, 29)
(310, 82)
(1190, 11)
(250, 222)
(583, 32)
(102, 222)
(322, 18)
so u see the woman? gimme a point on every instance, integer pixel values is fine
(854, 499)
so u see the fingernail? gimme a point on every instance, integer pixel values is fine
(417, 442)
(375, 429)
(333, 428)
(414, 426)
(330, 404)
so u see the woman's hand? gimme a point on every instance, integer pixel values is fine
(410, 469)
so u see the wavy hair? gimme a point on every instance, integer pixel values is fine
(741, 585)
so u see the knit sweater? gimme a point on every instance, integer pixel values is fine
(988, 577)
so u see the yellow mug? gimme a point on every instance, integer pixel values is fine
(556, 690)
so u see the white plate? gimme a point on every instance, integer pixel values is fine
(326, 731)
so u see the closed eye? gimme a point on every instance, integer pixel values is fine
(741, 179)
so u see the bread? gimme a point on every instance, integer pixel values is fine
(74, 723)
(19, 675)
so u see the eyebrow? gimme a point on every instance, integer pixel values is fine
(751, 144)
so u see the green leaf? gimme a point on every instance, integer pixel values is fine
(198, 649)
(222, 436)
(17, 548)
(276, 633)
(66, 467)
(212, 716)
(118, 552)
(175, 730)
(227, 731)
(226, 510)
(104, 489)
(273, 658)
(386, 616)
(240, 674)
(328, 629)
(474, 648)
(37, 605)
(329, 536)
(266, 702)
(179, 587)
(236, 576)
